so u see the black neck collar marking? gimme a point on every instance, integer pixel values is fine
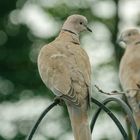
(137, 43)
(75, 43)
(69, 31)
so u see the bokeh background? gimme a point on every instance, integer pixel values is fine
(25, 26)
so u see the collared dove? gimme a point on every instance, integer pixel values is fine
(129, 72)
(65, 69)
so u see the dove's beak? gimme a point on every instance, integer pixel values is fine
(88, 29)
(119, 40)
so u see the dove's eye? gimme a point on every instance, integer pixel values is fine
(81, 23)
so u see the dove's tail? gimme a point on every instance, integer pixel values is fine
(134, 102)
(79, 122)
(137, 119)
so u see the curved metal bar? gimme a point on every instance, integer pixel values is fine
(40, 119)
(138, 137)
(126, 109)
(102, 106)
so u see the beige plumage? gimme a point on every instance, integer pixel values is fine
(130, 70)
(65, 69)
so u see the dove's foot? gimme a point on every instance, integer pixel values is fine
(59, 100)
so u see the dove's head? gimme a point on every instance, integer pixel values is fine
(76, 24)
(129, 36)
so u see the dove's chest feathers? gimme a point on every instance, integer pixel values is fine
(130, 66)
(131, 58)
(76, 59)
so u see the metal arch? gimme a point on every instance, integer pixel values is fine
(33, 130)
(102, 106)
(126, 109)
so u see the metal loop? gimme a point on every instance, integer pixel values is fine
(102, 106)
(33, 130)
(127, 111)
(125, 108)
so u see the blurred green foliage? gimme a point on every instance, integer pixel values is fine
(17, 70)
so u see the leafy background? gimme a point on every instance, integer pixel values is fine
(25, 26)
